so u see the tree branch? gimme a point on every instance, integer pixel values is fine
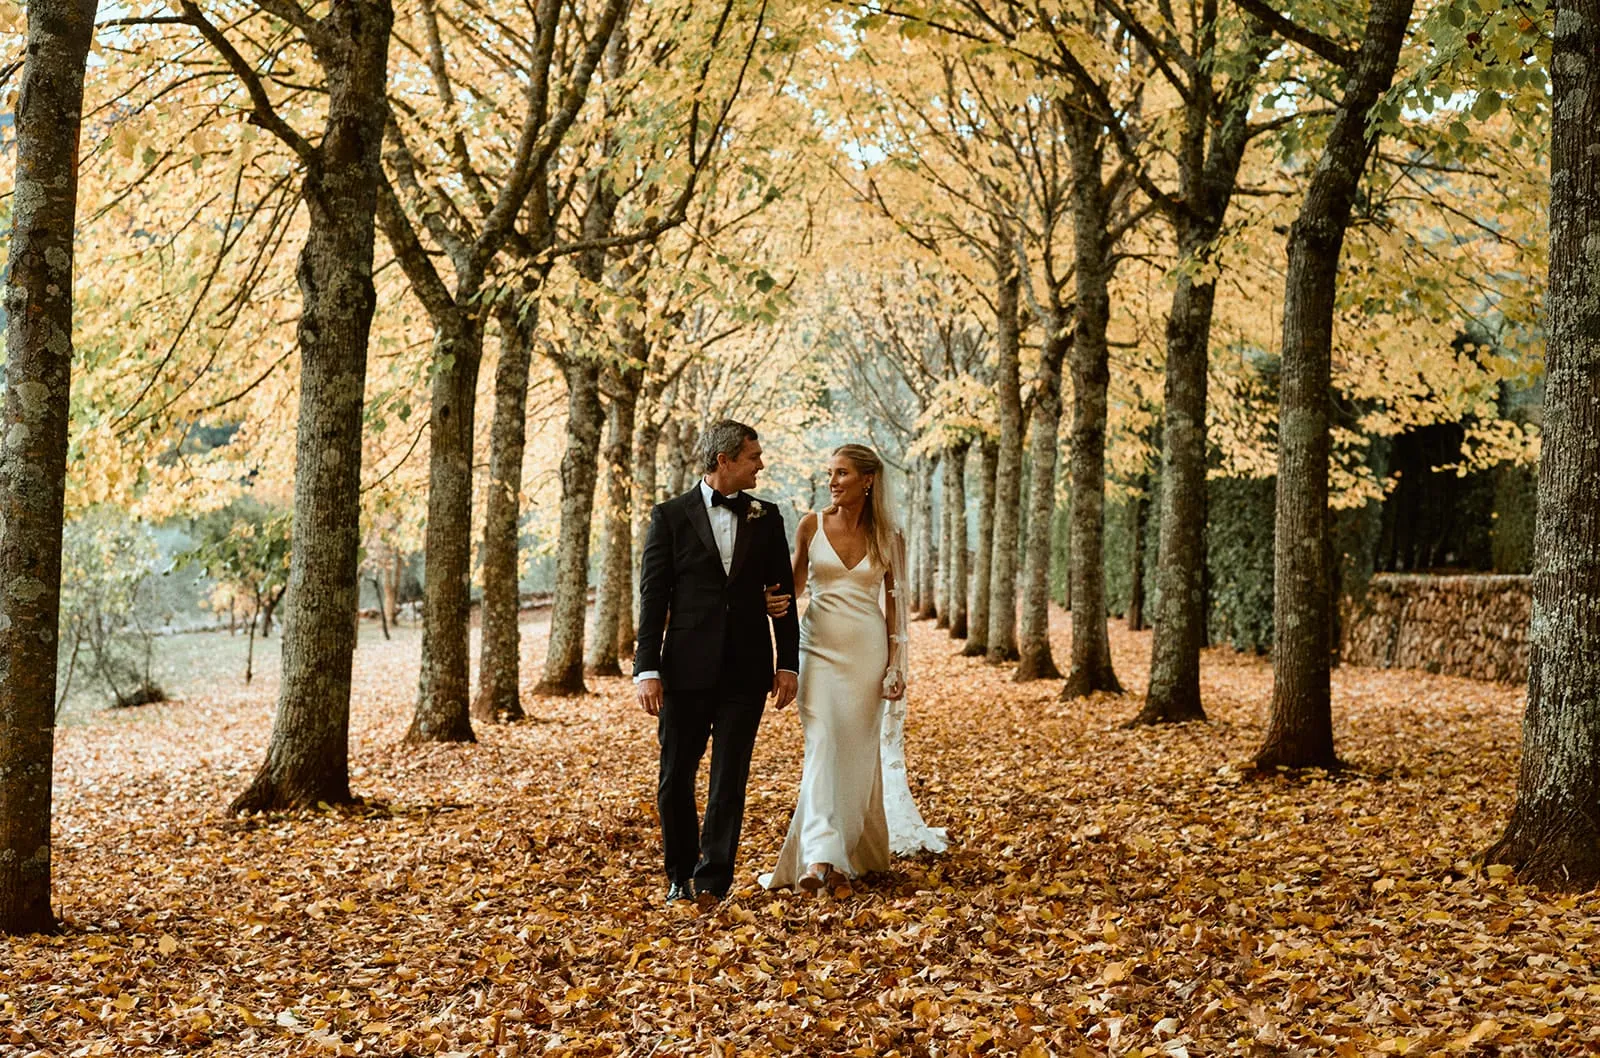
(262, 113)
(411, 254)
(316, 33)
(1309, 39)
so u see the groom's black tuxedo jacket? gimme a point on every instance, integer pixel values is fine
(700, 627)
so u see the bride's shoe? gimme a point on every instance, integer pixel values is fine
(816, 876)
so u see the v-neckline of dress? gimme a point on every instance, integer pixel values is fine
(822, 527)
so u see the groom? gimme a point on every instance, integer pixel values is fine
(703, 663)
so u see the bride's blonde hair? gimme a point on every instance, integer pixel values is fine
(878, 514)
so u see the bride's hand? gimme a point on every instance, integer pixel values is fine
(894, 686)
(777, 604)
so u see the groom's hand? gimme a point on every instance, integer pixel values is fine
(784, 687)
(649, 692)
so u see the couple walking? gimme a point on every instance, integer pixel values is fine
(716, 588)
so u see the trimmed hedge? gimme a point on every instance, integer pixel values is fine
(1239, 562)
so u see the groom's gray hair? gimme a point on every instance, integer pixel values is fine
(722, 438)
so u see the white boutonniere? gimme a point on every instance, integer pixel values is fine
(755, 510)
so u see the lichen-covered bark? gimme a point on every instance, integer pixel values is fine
(955, 537)
(913, 530)
(1036, 662)
(646, 446)
(1173, 695)
(33, 445)
(444, 695)
(1002, 638)
(1089, 362)
(563, 663)
(500, 653)
(927, 600)
(1091, 668)
(443, 711)
(983, 555)
(1214, 137)
(563, 668)
(1138, 511)
(672, 443)
(1553, 838)
(308, 755)
(615, 588)
(1300, 731)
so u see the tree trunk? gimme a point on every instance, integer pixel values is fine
(615, 590)
(1002, 639)
(983, 556)
(941, 558)
(638, 350)
(955, 537)
(250, 644)
(271, 606)
(672, 443)
(308, 754)
(1553, 838)
(1300, 732)
(928, 552)
(33, 446)
(1086, 572)
(500, 653)
(914, 541)
(391, 575)
(1206, 182)
(1173, 695)
(563, 665)
(1138, 512)
(1037, 661)
(445, 692)
(383, 611)
(1089, 362)
(646, 446)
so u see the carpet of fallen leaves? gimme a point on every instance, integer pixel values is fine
(1109, 891)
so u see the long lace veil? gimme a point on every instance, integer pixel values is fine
(908, 833)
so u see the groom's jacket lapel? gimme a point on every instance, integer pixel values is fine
(695, 507)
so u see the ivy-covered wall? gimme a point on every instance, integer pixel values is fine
(1495, 525)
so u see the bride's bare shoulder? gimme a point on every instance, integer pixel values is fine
(808, 524)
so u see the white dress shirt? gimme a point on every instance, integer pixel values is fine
(724, 527)
(724, 530)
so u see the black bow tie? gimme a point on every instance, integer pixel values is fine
(735, 503)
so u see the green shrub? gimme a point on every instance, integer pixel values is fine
(1239, 562)
(1516, 503)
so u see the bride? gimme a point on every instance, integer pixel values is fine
(855, 805)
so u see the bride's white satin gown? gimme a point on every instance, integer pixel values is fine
(839, 818)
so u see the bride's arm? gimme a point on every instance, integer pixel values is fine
(802, 552)
(894, 625)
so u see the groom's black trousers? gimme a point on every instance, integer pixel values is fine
(704, 854)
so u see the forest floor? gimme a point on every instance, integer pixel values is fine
(1109, 891)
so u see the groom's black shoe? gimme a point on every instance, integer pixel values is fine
(678, 891)
(705, 899)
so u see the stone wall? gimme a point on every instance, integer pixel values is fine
(1474, 626)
